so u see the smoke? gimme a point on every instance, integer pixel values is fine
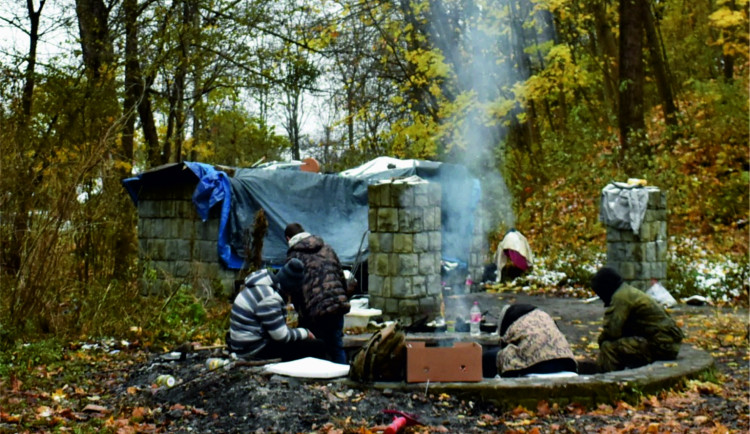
(488, 73)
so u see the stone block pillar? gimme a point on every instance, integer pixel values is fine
(640, 257)
(405, 247)
(176, 247)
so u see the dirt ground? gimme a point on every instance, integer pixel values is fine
(243, 399)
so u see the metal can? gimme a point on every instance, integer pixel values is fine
(165, 380)
(216, 363)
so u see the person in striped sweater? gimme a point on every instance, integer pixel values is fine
(257, 326)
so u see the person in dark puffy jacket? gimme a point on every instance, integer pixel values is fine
(636, 330)
(322, 302)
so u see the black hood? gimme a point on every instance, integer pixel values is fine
(605, 282)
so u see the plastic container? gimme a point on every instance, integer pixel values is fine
(216, 363)
(165, 381)
(475, 318)
(468, 284)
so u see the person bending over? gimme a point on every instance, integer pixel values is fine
(323, 301)
(530, 343)
(636, 329)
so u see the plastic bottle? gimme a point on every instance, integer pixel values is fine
(216, 363)
(468, 283)
(475, 317)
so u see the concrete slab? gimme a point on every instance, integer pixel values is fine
(576, 319)
(627, 385)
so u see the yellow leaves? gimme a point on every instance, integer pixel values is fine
(58, 395)
(732, 340)
(501, 108)
(429, 65)
(725, 18)
(732, 26)
(704, 387)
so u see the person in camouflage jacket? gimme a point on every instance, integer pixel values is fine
(323, 301)
(636, 329)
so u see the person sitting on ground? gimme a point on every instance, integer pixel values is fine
(323, 301)
(636, 329)
(513, 257)
(530, 343)
(257, 326)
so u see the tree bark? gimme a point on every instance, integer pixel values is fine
(631, 111)
(137, 99)
(30, 78)
(608, 54)
(96, 46)
(728, 59)
(11, 262)
(660, 66)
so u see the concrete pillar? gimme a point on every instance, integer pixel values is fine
(640, 257)
(176, 247)
(405, 244)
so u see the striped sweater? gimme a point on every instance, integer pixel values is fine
(259, 314)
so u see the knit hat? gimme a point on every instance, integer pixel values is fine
(291, 274)
(605, 282)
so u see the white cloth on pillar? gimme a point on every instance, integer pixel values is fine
(623, 206)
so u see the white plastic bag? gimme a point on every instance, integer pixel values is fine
(309, 367)
(661, 295)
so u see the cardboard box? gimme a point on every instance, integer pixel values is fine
(461, 362)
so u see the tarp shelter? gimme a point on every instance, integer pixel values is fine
(333, 206)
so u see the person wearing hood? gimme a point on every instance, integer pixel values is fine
(636, 329)
(257, 325)
(323, 301)
(530, 343)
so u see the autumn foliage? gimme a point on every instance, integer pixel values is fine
(530, 91)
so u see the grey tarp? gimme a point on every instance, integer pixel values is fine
(335, 207)
(623, 206)
(331, 206)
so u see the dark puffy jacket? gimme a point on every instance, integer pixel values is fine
(324, 286)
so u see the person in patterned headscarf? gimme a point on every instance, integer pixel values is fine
(530, 343)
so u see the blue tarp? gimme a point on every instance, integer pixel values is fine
(332, 206)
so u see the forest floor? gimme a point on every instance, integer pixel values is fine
(114, 390)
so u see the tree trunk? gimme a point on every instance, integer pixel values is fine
(96, 47)
(728, 59)
(12, 262)
(631, 111)
(137, 99)
(132, 79)
(30, 79)
(660, 67)
(608, 54)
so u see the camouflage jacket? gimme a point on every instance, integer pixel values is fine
(634, 313)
